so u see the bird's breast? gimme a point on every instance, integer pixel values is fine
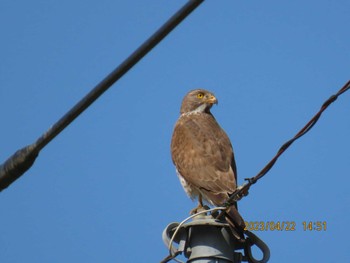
(190, 190)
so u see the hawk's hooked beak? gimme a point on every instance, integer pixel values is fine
(211, 100)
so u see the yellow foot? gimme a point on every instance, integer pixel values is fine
(199, 208)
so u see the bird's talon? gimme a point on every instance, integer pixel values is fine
(198, 209)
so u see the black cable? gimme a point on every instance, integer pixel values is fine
(23, 159)
(243, 191)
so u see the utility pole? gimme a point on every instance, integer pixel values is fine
(208, 240)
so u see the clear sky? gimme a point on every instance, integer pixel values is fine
(105, 188)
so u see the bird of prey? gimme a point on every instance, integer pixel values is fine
(203, 155)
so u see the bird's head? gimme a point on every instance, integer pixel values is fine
(198, 100)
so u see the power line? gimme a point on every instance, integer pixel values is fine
(243, 190)
(16, 165)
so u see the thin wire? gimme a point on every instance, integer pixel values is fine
(183, 222)
(243, 190)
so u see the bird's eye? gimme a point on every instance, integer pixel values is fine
(200, 95)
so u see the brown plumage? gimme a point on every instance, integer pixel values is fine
(203, 155)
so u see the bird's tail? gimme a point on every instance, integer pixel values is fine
(236, 222)
(232, 216)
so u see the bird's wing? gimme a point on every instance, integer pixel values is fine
(203, 154)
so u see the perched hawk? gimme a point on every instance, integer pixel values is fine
(203, 155)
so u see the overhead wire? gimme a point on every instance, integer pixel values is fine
(243, 190)
(17, 164)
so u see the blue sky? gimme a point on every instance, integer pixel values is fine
(105, 188)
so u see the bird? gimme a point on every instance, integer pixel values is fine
(203, 156)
